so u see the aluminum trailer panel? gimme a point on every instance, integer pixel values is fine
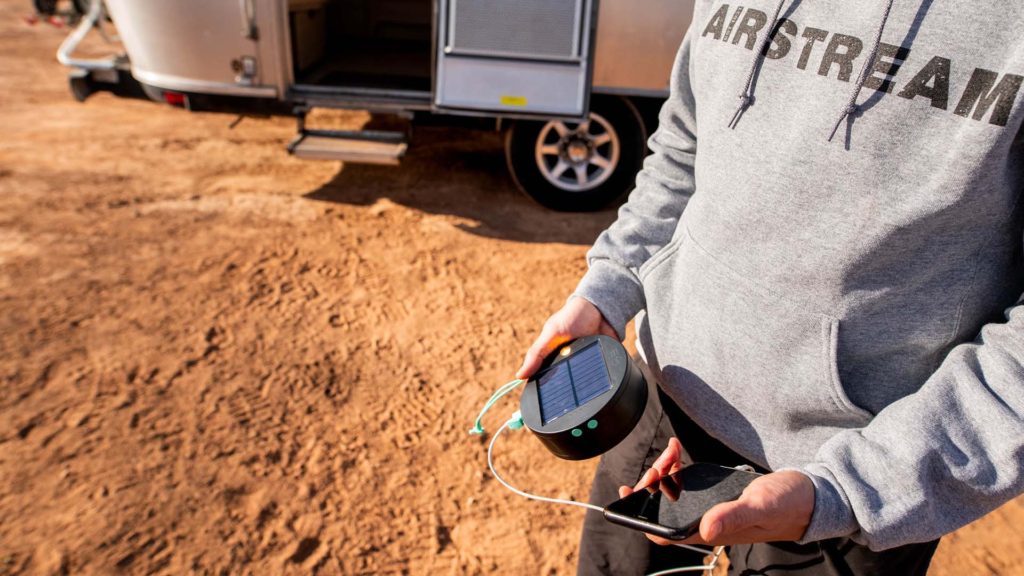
(636, 44)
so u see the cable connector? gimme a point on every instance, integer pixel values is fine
(516, 421)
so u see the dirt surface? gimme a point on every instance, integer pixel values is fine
(217, 358)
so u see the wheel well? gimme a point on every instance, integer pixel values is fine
(648, 108)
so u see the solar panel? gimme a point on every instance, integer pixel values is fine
(572, 383)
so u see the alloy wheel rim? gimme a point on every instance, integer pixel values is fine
(578, 157)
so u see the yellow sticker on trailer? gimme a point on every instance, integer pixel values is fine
(513, 100)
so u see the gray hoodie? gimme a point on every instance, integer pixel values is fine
(847, 306)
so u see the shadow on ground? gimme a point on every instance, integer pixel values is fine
(462, 172)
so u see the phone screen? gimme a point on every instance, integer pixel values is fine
(673, 506)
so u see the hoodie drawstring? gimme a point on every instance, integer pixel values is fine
(745, 96)
(851, 105)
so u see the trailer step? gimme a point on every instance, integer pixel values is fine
(364, 146)
(384, 101)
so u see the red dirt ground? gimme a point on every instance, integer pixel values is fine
(217, 358)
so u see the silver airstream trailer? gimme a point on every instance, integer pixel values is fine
(569, 81)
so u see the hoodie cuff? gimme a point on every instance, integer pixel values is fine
(614, 290)
(833, 516)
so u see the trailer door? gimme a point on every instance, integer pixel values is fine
(522, 57)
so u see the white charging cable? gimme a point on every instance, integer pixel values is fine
(715, 552)
(490, 464)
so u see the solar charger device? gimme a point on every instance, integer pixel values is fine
(585, 399)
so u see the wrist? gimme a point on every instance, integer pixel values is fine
(832, 516)
(614, 291)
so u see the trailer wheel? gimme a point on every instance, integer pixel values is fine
(578, 167)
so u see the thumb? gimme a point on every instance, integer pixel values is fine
(546, 342)
(725, 519)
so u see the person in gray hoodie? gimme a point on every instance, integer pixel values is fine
(824, 256)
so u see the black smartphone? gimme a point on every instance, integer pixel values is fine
(673, 506)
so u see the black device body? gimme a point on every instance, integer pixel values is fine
(587, 397)
(673, 506)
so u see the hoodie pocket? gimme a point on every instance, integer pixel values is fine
(750, 365)
(832, 344)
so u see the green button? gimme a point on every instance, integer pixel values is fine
(592, 424)
(576, 432)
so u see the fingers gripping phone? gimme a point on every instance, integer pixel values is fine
(673, 506)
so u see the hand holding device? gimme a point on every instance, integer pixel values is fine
(581, 384)
(672, 506)
(576, 319)
(773, 507)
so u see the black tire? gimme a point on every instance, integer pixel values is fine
(523, 141)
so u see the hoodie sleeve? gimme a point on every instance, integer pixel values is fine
(935, 460)
(648, 219)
